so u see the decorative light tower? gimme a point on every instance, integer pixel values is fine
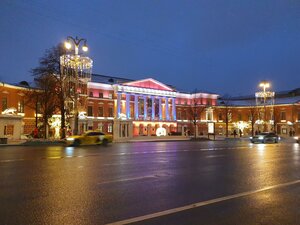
(76, 70)
(264, 98)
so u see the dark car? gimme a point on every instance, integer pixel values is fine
(265, 137)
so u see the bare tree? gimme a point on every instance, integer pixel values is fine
(195, 110)
(226, 103)
(50, 64)
(253, 116)
(32, 98)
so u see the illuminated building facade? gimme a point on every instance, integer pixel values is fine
(141, 107)
(129, 108)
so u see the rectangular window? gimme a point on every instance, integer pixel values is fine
(91, 94)
(179, 115)
(141, 106)
(109, 128)
(110, 96)
(21, 106)
(90, 110)
(110, 112)
(183, 116)
(4, 103)
(282, 116)
(220, 116)
(100, 126)
(240, 116)
(209, 115)
(100, 111)
(39, 108)
(100, 95)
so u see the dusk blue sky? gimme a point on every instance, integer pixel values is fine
(221, 46)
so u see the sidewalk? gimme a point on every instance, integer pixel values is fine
(162, 138)
(13, 142)
(33, 142)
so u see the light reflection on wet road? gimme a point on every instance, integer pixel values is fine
(99, 185)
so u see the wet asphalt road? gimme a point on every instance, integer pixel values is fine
(151, 183)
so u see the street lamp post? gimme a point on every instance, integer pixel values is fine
(77, 63)
(265, 85)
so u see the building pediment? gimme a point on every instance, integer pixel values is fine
(149, 83)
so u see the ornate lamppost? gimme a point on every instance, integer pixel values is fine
(76, 70)
(265, 98)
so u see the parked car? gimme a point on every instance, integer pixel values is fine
(89, 138)
(265, 137)
(297, 139)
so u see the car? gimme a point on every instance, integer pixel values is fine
(265, 137)
(89, 138)
(297, 139)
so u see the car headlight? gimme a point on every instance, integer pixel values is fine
(251, 137)
(296, 138)
(260, 138)
(70, 139)
(279, 138)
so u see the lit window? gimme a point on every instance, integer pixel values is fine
(4, 103)
(100, 126)
(21, 106)
(209, 115)
(109, 128)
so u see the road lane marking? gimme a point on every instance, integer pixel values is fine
(214, 156)
(135, 178)
(11, 160)
(226, 148)
(43, 158)
(128, 179)
(184, 150)
(200, 204)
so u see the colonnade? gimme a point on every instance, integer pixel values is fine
(145, 115)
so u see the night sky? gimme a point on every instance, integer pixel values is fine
(220, 46)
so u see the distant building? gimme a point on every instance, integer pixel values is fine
(282, 115)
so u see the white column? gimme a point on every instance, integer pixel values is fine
(145, 107)
(119, 105)
(167, 109)
(153, 108)
(127, 105)
(160, 109)
(173, 109)
(136, 107)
